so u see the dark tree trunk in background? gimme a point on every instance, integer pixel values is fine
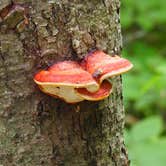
(36, 129)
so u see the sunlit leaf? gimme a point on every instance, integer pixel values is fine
(147, 129)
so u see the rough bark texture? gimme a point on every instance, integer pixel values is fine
(36, 129)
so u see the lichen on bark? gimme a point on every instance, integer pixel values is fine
(36, 129)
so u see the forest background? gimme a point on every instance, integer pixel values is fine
(144, 88)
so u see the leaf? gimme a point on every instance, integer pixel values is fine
(162, 69)
(150, 153)
(146, 129)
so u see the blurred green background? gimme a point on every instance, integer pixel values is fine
(144, 88)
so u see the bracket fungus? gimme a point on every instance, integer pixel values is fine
(74, 82)
(102, 66)
(61, 80)
(103, 92)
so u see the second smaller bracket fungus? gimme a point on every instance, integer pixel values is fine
(61, 79)
(102, 93)
(103, 66)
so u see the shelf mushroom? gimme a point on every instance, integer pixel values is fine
(102, 66)
(63, 79)
(103, 92)
(74, 82)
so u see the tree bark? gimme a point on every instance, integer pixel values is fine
(36, 129)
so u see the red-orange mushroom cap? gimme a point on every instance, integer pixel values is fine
(61, 79)
(75, 82)
(102, 66)
(103, 92)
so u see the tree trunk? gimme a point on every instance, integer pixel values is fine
(36, 129)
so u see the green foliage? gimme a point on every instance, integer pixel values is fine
(147, 129)
(143, 26)
(146, 146)
(144, 13)
(144, 86)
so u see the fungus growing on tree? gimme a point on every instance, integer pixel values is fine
(74, 82)
(102, 66)
(61, 80)
(103, 92)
